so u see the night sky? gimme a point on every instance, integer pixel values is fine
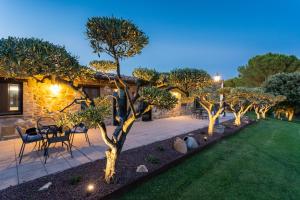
(217, 36)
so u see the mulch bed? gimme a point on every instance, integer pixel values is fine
(72, 183)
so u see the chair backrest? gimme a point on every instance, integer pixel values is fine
(19, 130)
(45, 121)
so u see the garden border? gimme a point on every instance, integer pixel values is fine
(120, 191)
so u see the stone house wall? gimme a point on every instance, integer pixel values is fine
(39, 100)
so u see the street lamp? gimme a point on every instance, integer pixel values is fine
(218, 79)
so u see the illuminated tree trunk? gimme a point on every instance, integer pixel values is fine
(237, 120)
(263, 115)
(290, 114)
(256, 109)
(111, 160)
(211, 124)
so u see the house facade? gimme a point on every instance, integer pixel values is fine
(24, 101)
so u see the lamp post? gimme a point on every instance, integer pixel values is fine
(218, 79)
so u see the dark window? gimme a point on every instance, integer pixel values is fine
(11, 98)
(92, 91)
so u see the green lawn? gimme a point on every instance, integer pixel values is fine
(261, 162)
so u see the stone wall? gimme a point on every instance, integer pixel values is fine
(39, 99)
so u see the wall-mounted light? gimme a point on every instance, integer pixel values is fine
(176, 94)
(55, 89)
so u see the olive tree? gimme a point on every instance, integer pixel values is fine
(187, 79)
(209, 98)
(288, 85)
(121, 39)
(263, 102)
(41, 60)
(240, 100)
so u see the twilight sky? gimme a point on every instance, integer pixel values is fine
(217, 36)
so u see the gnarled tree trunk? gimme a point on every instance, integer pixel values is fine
(110, 169)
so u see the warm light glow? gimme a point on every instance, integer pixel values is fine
(90, 188)
(176, 94)
(217, 78)
(13, 87)
(55, 89)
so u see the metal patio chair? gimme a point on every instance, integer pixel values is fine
(80, 129)
(27, 139)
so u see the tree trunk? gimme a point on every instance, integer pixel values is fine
(211, 126)
(263, 115)
(290, 115)
(257, 114)
(237, 120)
(111, 160)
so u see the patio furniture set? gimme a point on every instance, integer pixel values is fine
(199, 113)
(47, 133)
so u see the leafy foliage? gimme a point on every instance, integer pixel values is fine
(103, 66)
(27, 57)
(117, 37)
(160, 98)
(92, 116)
(260, 67)
(146, 75)
(210, 94)
(187, 79)
(286, 84)
(234, 82)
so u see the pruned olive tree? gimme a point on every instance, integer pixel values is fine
(209, 98)
(187, 79)
(239, 100)
(263, 102)
(41, 60)
(120, 39)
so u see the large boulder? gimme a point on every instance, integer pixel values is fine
(180, 145)
(191, 143)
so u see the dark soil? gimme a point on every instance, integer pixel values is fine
(72, 183)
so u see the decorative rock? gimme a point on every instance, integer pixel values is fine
(219, 129)
(46, 186)
(141, 169)
(180, 145)
(191, 143)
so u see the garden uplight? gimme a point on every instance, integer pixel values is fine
(55, 89)
(90, 188)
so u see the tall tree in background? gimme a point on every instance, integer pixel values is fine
(234, 82)
(260, 67)
(288, 85)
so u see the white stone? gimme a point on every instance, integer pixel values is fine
(141, 169)
(46, 186)
(191, 143)
(180, 145)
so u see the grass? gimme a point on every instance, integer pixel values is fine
(261, 162)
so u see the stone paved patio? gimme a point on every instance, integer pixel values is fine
(32, 166)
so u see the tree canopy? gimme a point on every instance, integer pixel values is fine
(286, 84)
(187, 79)
(116, 37)
(31, 57)
(234, 82)
(260, 67)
